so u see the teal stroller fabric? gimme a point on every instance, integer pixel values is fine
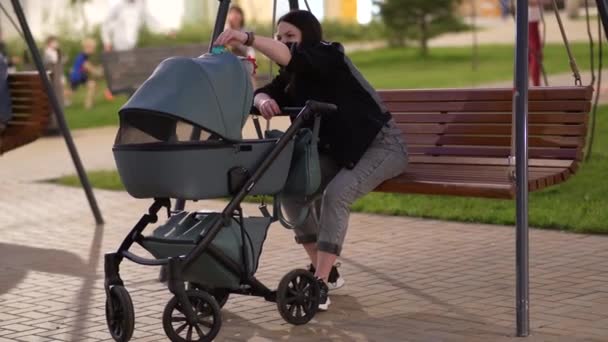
(156, 153)
(212, 91)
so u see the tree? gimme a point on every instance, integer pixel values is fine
(419, 19)
(79, 5)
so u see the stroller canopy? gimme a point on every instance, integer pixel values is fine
(213, 92)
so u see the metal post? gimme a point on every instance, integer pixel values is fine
(520, 99)
(293, 5)
(58, 111)
(602, 8)
(220, 21)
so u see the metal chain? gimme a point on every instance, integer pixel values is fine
(591, 43)
(573, 65)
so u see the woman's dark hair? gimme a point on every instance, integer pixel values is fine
(312, 33)
(240, 11)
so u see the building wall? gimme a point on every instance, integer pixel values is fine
(484, 8)
(341, 10)
(57, 16)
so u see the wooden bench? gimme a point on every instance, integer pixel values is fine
(459, 140)
(31, 110)
(125, 71)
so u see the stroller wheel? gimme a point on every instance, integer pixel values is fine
(298, 297)
(207, 311)
(121, 318)
(221, 295)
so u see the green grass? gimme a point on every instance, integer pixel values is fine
(578, 205)
(388, 68)
(452, 67)
(103, 113)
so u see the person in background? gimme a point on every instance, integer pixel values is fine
(535, 53)
(236, 21)
(84, 72)
(6, 112)
(54, 60)
(505, 8)
(120, 29)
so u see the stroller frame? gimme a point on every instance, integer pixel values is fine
(119, 308)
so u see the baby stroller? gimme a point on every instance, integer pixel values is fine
(180, 137)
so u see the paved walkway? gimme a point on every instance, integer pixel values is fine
(407, 279)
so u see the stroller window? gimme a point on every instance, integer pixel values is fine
(137, 127)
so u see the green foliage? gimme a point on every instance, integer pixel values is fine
(419, 20)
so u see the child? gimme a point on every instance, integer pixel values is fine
(84, 72)
(54, 61)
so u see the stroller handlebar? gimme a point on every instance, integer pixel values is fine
(313, 107)
(321, 107)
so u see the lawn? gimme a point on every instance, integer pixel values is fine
(389, 68)
(578, 205)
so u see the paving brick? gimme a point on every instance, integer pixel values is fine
(407, 279)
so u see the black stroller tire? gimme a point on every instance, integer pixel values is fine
(221, 295)
(298, 297)
(205, 306)
(121, 321)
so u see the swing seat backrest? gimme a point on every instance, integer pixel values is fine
(31, 111)
(459, 140)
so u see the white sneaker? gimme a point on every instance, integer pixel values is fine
(335, 281)
(332, 286)
(324, 301)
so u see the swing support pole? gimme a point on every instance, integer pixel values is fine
(520, 100)
(57, 110)
(602, 8)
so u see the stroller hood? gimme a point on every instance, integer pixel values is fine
(213, 92)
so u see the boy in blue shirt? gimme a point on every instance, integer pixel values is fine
(84, 72)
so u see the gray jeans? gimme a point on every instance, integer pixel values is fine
(384, 159)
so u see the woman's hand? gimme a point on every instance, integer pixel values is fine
(268, 107)
(231, 37)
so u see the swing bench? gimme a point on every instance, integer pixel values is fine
(31, 111)
(459, 140)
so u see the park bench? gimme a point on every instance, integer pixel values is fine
(459, 140)
(31, 110)
(125, 71)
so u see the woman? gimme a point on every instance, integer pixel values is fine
(360, 145)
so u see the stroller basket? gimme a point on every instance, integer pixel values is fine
(178, 236)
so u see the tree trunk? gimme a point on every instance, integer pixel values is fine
(424, 37)
(572, 8)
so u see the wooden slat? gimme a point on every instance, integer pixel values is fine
(555, 118)
(492, 94)
(447, 160)
(494, 152)
(491, 129)
(487, 106)
(545, 141)
(31, 111)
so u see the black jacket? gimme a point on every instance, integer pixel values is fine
(324, 73)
